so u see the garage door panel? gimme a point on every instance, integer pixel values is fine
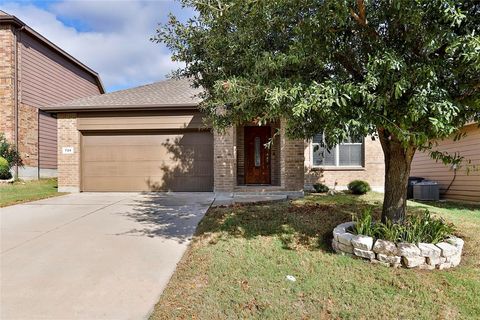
(124, 169)
(182, 161)
(130, 153)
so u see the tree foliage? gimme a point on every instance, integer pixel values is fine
(405, 70)
(411, 67)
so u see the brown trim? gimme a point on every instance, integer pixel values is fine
(17, 23)
(14, 21)
(138, 131)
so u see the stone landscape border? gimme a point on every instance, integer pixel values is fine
(443, 255)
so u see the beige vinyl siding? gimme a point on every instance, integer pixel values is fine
(47, 140)
(466, 186)
(140, 120)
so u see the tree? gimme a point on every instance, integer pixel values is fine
(404, 71)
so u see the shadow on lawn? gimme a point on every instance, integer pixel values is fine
(306, 224)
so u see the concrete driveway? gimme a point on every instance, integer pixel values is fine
(93, 255)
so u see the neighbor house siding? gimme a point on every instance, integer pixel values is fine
(466, 185)
(46, 78)
(373, 170)
(47, 140)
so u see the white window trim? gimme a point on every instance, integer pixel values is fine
(337, 156)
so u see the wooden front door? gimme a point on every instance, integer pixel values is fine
(257, 156)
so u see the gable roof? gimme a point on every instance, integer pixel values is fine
(166, 94)
(6, 18)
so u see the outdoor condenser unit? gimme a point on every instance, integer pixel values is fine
(426, 190)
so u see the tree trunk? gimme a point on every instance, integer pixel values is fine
(398, 161)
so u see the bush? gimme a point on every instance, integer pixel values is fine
(359, 187)
(4, 169)
(415, 229)
(9, 153)
(320, 187)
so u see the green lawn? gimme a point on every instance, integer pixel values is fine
(24, 191)
(237, 264)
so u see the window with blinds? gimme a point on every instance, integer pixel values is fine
(346, 154)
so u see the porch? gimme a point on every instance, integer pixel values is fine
(253, 160)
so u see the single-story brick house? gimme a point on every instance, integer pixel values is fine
(35, 73)
(154, 137)
(462, 183)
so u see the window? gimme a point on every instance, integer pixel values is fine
(346, 154)
(257, 151)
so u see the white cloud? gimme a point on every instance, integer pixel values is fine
(110, 37)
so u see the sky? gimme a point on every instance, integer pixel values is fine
(111, 37)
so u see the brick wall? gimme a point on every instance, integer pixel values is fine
(373, 171)
(7, 77)
(291, 161)
(224, 154)
(68, 164)
(28, 135)
(275, 154)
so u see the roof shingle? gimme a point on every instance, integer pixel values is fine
(171, 93)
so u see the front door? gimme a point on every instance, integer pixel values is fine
(257, 156)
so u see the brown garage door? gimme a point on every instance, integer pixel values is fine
(167, 161)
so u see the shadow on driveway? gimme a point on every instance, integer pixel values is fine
(173, 216)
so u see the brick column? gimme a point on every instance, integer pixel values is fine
(225, 164)
(7, 81)
(68, 164)
(292, 161)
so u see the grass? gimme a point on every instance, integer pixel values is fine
(25, 191)
(237, 264)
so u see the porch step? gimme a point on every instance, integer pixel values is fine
(226, 200)
(258, 189)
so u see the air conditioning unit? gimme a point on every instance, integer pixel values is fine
(426, 190)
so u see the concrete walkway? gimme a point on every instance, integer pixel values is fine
(93, 255)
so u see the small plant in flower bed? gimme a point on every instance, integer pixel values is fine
(415, 229)
(320, 188)
(359, 187)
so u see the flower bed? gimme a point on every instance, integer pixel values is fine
(443, 255)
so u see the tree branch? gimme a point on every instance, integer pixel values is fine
(361, 18)
(347, 63)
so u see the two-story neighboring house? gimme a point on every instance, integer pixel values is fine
(35, 73)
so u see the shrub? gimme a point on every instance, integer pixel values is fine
(4, 169)
(8, 152)
(415, 229)
(359, 187)
(320, 187)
